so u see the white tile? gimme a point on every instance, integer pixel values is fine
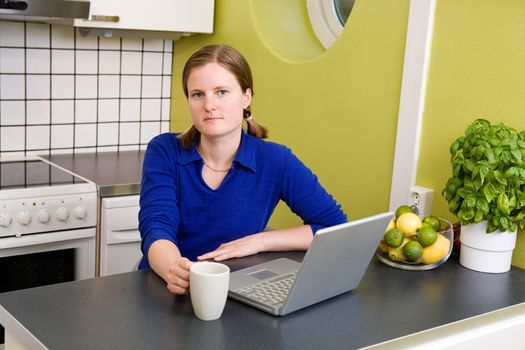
(86, 149)
(131, 62)
(62, 86)
(86, 86)
(151, 86)
(129, 110)
(107, 134)
(37, 137)
(62, 111)
(166, 86)
(109, 62)
(85, 111)
(152, 63)
(130, 86)
(62, 37)
(86, 42)
(129, 148)
(143, 147)
(38, 112)
(61, 136)
(167, 64)
(38, 60)
(38, 86)
(85, 135)
(86, 62)
(12, 87)
(109, 43)
(165, 127)
(12, 138)
(166, 109)
(150, 109)
(107, 148)
(131, 44)
(108, 110)
(12, 34)
(11, 60)
(153, 45)
(37, 35)
(168, 45)
(129, 133)
(108, 86)
(12, 113)
(148, 131)
(63, 61)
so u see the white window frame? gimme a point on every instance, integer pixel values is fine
(325, 22)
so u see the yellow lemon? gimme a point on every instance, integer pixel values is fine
(383, 248)
(408, 223)
(391, 224)
(436, 251)
(396, 254)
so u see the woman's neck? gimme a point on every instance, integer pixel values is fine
(219, 153)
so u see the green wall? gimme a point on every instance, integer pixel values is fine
(336, 108)
(477, 69)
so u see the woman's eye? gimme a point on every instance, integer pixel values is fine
(222, 92)
(196, 94)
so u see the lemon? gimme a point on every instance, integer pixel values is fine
(426, 235)
(396, 254)
(391, 224)
(394, 238)
(413, 250)
(403, 209)
(436, 251)
(408, 223)
(383, 248)
(433, 221)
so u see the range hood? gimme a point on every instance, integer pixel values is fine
(44, 10)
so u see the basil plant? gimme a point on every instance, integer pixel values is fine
(488, 176)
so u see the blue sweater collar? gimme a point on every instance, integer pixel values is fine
(245, 156)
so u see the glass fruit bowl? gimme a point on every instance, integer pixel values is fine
(448, 232)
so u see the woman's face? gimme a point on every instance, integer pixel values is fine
(216, 100)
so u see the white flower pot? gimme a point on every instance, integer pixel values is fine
(486, 252)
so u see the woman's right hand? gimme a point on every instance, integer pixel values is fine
(178, 277)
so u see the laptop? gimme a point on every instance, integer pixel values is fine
(335, 263)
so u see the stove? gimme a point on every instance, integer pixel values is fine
(38, 197)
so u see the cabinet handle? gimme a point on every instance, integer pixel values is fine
(103, 18)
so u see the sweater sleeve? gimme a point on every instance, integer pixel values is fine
(305, 196)
(159, 212)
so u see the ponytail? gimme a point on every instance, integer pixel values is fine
(189, 137)
(254, 128)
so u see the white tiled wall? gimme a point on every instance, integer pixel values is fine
(61, 92)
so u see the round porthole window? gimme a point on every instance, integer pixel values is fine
(328, 18)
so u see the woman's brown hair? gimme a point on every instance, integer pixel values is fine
(235, 63)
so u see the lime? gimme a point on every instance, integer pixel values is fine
(426, 235)
(433, 221)
(403, 209)
(394, 238)
(408, 223)
(413, 250)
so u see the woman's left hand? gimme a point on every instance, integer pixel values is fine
(248, 245)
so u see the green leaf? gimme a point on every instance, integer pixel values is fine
(489, 192)
(516, 153)
(478, 217)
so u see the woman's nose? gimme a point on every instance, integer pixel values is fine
(209, 103)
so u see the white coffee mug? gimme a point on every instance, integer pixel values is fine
(209, 282)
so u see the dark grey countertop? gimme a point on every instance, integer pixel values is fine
(135, 311)
(114, 173)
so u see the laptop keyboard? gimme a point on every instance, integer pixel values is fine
(270, 292)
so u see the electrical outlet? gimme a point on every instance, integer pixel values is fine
(421, 199)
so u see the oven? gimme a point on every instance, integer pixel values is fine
(47, 225)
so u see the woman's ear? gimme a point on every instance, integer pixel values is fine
(247, 98)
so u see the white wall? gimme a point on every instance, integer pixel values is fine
(62, 93)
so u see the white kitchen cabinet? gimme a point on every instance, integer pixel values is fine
(181, 16)
(119, 235)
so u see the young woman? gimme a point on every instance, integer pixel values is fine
(209, 192)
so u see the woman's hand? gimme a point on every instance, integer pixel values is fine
(248, 245)
(178, 277)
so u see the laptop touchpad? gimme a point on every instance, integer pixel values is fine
(263, 274)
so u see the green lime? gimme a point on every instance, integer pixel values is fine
(403, 209)
(413, 250)
(433, 221)
(394, 238)
(426, 235)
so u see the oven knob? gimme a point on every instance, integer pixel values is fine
(43, 216)
(62, 214)
(5, 220)
(80, 212)
(23, 218)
